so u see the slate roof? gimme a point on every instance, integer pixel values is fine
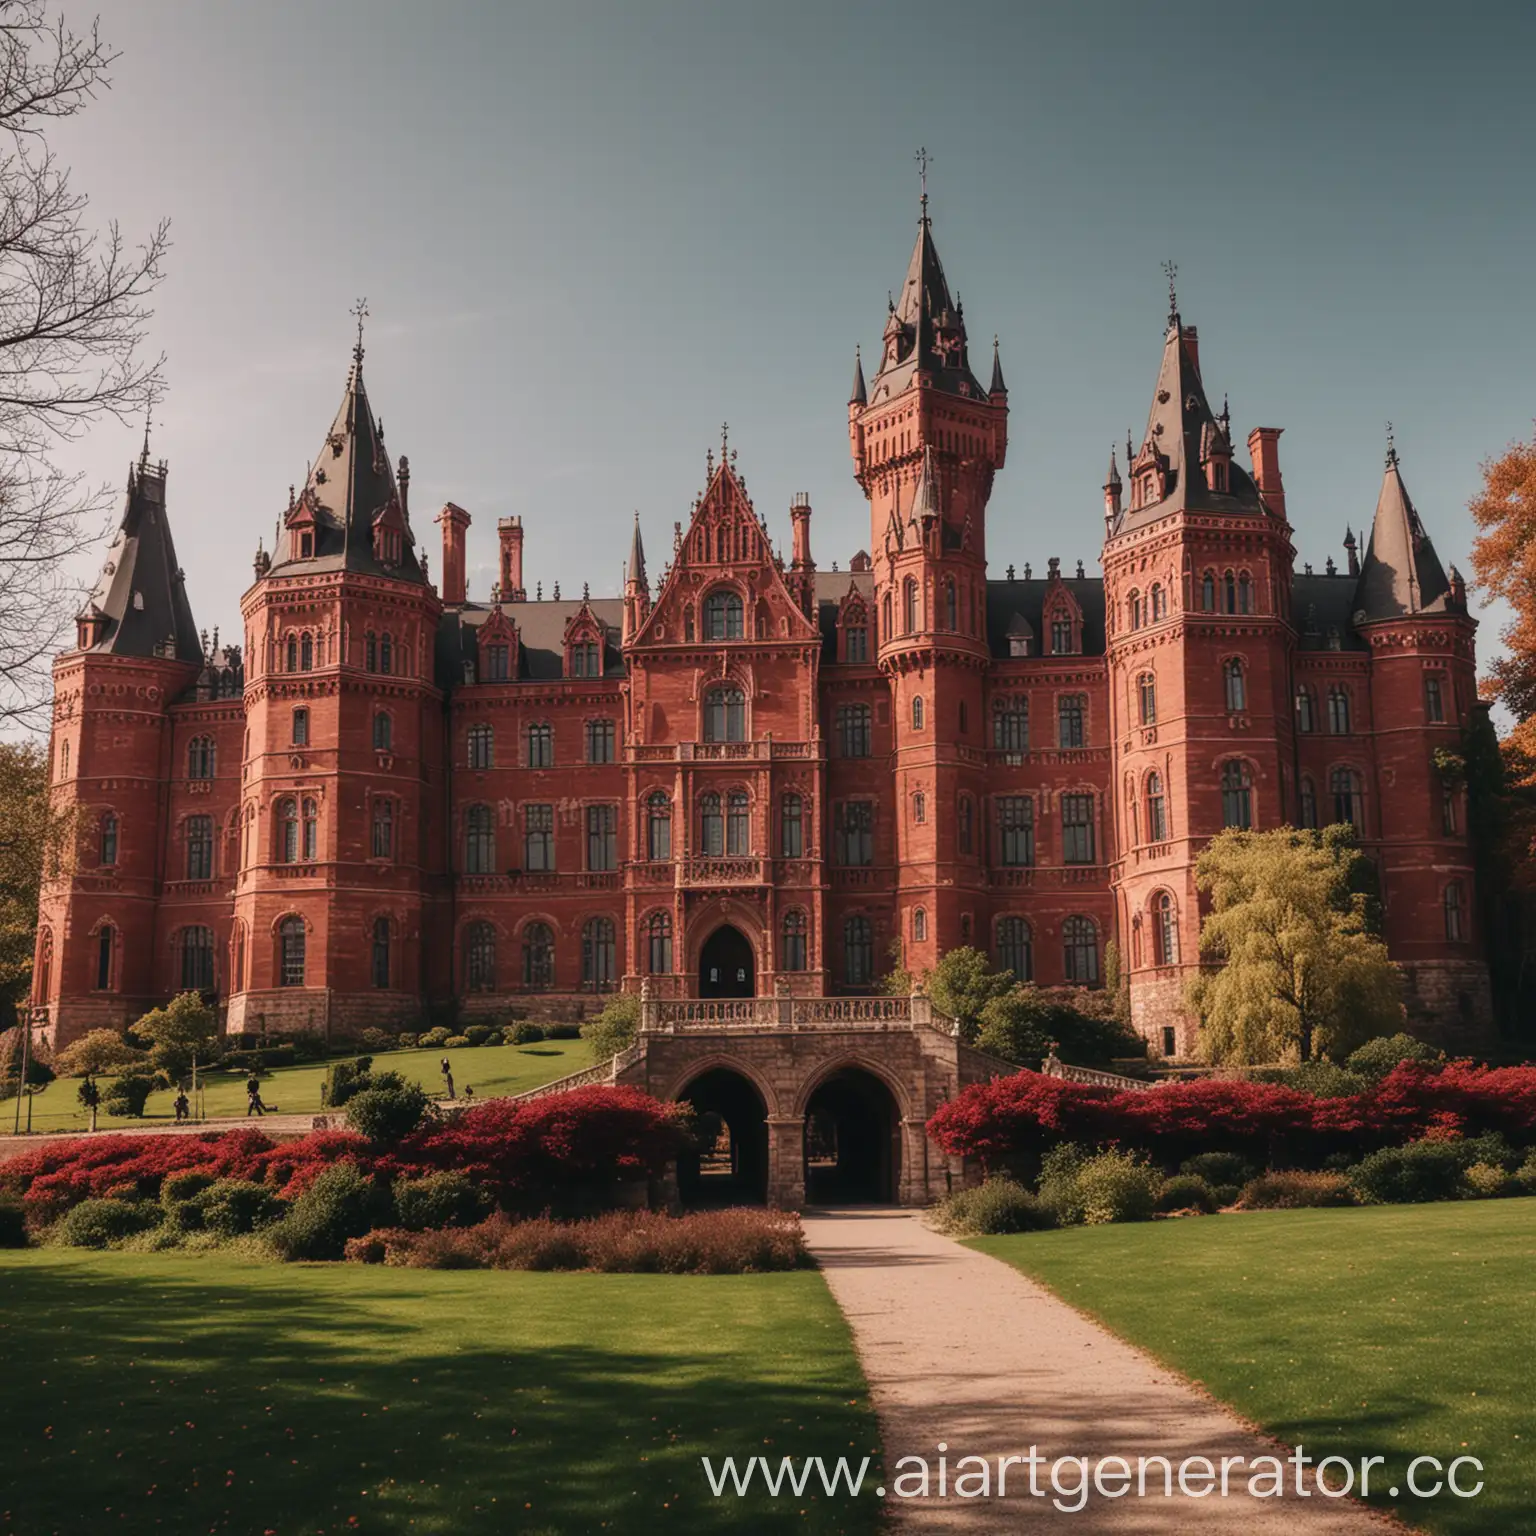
(541, 631)
(1401, 573)
(1008, 600)
(1323, 606)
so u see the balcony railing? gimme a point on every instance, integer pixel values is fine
(748, 870)
(668, 1016)
(765, 750)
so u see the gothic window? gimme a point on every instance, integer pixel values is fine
(381, 952)
(858, 952)
(1229, 586)
(1244, 593)
(1010, 725)
(482, 746)
(965, 718)
(853, 833)
(288, 830)
(1236, 795)
(1308, 804)
(602, 837)
(371, 652)
(853, 730)
(480, 957)
(106, 944)
(196, 959)
(600, 741)
(1236, 686)
(725, 715)
(919, 925)
(498, 663)
(1157, 809)
(311, 829)
(540, 745)
(1159, 603)
(856, 645)
(1348, 799)
(1338, 711)
(738, 824)
(539, 838)
(1061, 635)
(200, 758)
(108, 855)
(964, 814)
(479, 840)
(383, 733)
(1146, 697)
(538, 957)
(711, 826)
(383, 829)
(598, 964)
(1015, 948)
(1434, 701)
(1134, 607)
(791, 828)
(1071, 720)
(909, 616)
(1080, 951)
(307, 652)
(658, 827)
(919, 808)
(1165, 930)
(917, 712)
(792, 942)
(1454, 927)
(1016, 830)
(722, 616)
(658, 934)
(292, 656)
(951, 606)
(199, 848)
(688, 623)
(1208, 592)
(301, 727)
(1449, 818)
(387, 654)
(586, 659)
(1306, 711)
(1077, 829)
(885, 618)
(291, 945)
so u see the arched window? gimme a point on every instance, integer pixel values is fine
(301, 727)
(383, 829)
(482, 746)
(288, 831)
(1015, 948)
(291, 952)
(1236, 795)
(1061, 635)
(658, 827)
(1135, 610)
(311, 829)
(1159, 602)
(1071, 720)
(307, 652)
(738, 824)
(598, 959)
(792, 942)
(951, 606)
(1245, 593)
(199, 847)
(1306, 711)
(479, 840)
(725, 715)
(1080, 951)
(1338, 711)
(919, 925)
(292, 653)
(371, 652)
(1348, 799)
(858, 952)
(540, 745)
(919, 808)
(387, 654)
(538, 957)
(1165, 930)
(200, 758)
(965, 824)
(383, 733)
(1454, 927)
(791, 828)
(886, 630)
(711, 826)
(538, 838)
(1208, 592)
(480, 957)
(1229, 584)
(106, 948)
(1308, 799)
(108, 854)
(1236, 686)
(1146, 697)
(1157, 809)
(196, 959)
(381, 952)
(909, 621)
(1010, 725)
(722, 615)
(1450, 819)
(658, 940)
(917, 712)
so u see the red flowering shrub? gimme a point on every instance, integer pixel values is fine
(1015, 1115)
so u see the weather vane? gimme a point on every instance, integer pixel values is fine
(1171, 270)
(924, 160)
(360, 309)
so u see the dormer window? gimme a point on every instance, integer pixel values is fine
(1018, 645)
(497, 667)
(306, 546)
(1218, 475)
(586, 659)
(1061, 635)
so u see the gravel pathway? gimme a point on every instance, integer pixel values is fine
(962, 1349)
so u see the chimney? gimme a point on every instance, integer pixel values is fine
(800, 517)
(510, 531)
(1192, 347)
(1264, 449)
(454, 521)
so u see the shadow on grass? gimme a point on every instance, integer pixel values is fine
(318, 1400)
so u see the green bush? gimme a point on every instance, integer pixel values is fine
(342, 1203)
(407, 1039)
(1410, 1175)
(374, 1039)
(1525, 1174)
(1186, 1192)
(100, 1223)
(1376, 1058)
(13, 1224)
(495, 1038)
(1219, 1168)
(477, 1034)
(1293, 1189)
(1117, 1186)
(1058, 1191)
(234, 1207)
(564, 1031)
(386, 1113)
(1491, 1147)
(129, 1094)
(524, 1032)
(613, 1030)
(434, 1037)
(440, 1200)
(456, 1043)
(1023, 1023)
(1321, 1079)
(178, 1187)
(999, 1205)
(346, 1080)
(1488, 1181)
(308, 1045)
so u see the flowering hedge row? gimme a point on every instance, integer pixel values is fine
(1023, 1114)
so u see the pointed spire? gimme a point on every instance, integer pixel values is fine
(1114, 481)
(860, 395)
(997, 387)
(1401, 574)
(635, 571)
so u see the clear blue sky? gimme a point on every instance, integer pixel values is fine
(589, 233)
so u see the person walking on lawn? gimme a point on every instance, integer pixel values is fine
(254, 1106)
(446, 1069)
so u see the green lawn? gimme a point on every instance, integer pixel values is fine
(1395, 1330)
(178, 1393)
(489, 1069)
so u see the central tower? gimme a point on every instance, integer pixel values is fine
(927, 440)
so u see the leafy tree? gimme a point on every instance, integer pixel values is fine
(1504, 563)
(184, 1028)
(614, 1029)
(1300, 973)
(962, 984)
(102, 1050)
(1023, 1024)
(32, 832)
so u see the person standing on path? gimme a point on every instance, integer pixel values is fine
(447, 1070)
(254, 1106)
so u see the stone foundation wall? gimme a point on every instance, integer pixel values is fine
(1157, 1003)
(1449, 1004)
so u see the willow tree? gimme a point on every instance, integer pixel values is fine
(1296, 971)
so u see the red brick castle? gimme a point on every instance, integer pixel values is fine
(747, 775)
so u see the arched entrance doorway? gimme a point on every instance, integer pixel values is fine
(727, 966)
(730, 1164)
(852, 1140)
